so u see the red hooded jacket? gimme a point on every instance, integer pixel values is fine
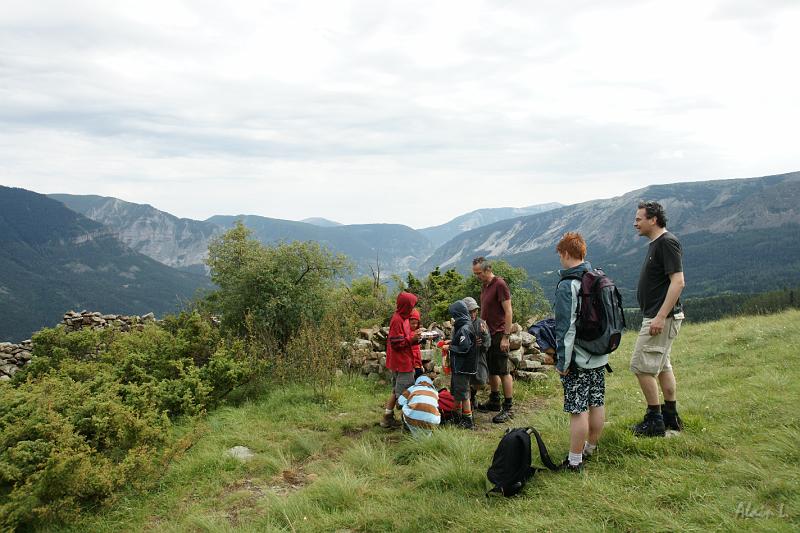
(399, 352)
(415, 347)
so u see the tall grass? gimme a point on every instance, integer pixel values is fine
(326, 466)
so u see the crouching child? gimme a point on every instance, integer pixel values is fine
(420, 405)
(582, 374)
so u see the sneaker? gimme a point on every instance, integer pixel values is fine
(571, 468)
(651, 426)
(466, 422)
(672, 420)
(389, 421)
(505, 415)
(491, 405)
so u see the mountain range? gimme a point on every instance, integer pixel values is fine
(53, 259)
(183, 243)
(738, 236)
(72, 252)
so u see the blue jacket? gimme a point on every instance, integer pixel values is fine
(566, 304)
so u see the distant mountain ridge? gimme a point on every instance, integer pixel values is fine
(396, 248)
(738, 235)
(319, 221)
(177, 242)
(53, 259)
(442, 233)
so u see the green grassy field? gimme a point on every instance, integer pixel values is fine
(324, 465)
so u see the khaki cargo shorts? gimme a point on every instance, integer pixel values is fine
(651, 354)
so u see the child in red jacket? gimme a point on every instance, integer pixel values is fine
(400, 354)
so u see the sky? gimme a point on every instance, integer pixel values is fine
(405, 112)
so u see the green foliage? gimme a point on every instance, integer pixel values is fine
(91, 413)
(438, 290)
(279, 286)
(328, 467)
(367, 301)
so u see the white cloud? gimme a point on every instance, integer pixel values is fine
(409, 112)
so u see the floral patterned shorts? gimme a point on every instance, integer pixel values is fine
(584, 387)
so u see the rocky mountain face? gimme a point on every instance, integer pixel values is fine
(177, 242)
(738, 235)
(439, 235)
(53, 259)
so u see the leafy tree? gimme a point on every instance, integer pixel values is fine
(438, 290)
(278, 287)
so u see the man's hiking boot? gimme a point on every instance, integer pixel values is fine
(571, 468)
(389, 421)
(505, 415)
(672, 420)
(651, 426)
(490, 405)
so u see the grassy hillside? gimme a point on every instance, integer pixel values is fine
(323, 465)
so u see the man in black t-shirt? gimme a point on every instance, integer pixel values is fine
(660, 285)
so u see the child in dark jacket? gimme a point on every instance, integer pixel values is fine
(464, 352)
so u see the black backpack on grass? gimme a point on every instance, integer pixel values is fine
(511, 465)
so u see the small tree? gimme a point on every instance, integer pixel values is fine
(277, 287)
(437, 291)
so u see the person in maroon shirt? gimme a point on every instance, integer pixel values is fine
(497, 313)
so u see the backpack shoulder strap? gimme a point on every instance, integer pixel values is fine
(545, 456)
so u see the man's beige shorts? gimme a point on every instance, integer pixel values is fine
(651, 354)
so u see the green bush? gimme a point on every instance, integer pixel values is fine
(438, 290)
(278, 287)
(92, 412)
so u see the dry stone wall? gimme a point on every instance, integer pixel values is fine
(13, 357)
(368, 355)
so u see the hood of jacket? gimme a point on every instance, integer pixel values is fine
(424, 380)
(405, 303)
(458, 310)
(576, 270)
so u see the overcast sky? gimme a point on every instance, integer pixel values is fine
(406, 112)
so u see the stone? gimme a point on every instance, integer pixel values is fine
(382, 361)
(514, 342)
(362, 344)
(377, 346)
(242, 453)
(427, 355)
(549, 368)
(339, 373)
(366, 333)
(529, 365)
(531, 376)
(149, 316)
(515, 328)
(548, 359)
(373, 376)
(3, 377)
(526, 338)
(515, 356)
(9, 369)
